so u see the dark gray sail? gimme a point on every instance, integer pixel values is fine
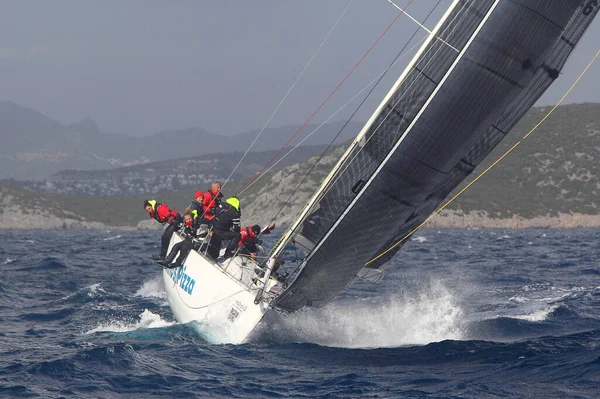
(447, 112)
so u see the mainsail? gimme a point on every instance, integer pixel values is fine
(445, 113)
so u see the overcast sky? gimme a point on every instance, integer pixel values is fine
(139, 67)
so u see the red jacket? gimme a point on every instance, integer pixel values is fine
(162, 213)
(247, 236)
(212, 199)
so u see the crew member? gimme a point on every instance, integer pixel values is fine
(193, 234)
(249, 239)
(163, 214)
(196, 204)
(226, 226)
(212, 200)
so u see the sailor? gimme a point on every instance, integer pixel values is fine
(193, 234)
(226, 226)
(163, 214)
(198, 209)
(196, 204)
(212, 200)
(249, 239)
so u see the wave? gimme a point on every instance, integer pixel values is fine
(539, 314)
(86, 293)
(433, 315)
(152, 288)
(48, 263)
(147, 320)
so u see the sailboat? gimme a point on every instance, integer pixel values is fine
(480, 69)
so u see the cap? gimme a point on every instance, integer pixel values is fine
(198, 194)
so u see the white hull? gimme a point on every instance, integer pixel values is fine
(219, 297)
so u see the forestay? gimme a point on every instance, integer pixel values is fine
(445, 113)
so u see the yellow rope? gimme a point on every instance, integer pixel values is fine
(491, 166)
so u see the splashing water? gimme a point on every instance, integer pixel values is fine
(431, 316)
(147, 320)
(152, 288)
(539, 314)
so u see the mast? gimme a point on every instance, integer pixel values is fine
(290, 232)
(445, 113)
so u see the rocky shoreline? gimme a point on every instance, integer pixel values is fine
(14, 219)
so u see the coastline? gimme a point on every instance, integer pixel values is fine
(16, 220)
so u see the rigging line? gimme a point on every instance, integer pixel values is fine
(492, 165)
(380, 76)
(289, 91)
(423, 26)
(329, 96)
(403, 95)
(451, 28)
(377, 80)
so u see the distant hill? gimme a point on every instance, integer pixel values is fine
(553, 174)
(551, 179)
(163, 176)
(35, 146)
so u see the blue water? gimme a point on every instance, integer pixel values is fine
(459, 314)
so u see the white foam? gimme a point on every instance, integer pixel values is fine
(8, 260)
(91, 291)
(94, 289)
(419, 239)
(519, 299)
(504, 237)
(111, 238)
(538, 315)
(431, 316)
(152, 288)
(147, 320)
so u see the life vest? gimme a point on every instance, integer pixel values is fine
(211, 202)
(216, 198)
(247, 233)
(168, 218)
(247, 236)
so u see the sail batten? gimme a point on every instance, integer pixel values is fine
(426, 137)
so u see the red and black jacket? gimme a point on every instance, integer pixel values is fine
(162, 213)
(211, 201)
(247, 236)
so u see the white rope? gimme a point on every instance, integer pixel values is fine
(288, 92)
(370, 83)
(451, 27)
(423, 26)
(334, 114)
(402, 96)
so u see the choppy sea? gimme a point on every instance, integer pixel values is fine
(459, 314)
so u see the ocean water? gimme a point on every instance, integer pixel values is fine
(459, 314)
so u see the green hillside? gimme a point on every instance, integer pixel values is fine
(554, 171)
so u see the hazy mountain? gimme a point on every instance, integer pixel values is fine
(150, 178)
(553, 175)
(35, 146)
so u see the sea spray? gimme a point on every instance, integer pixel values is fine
(152, 288)
(433, 314)
(147, 320)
